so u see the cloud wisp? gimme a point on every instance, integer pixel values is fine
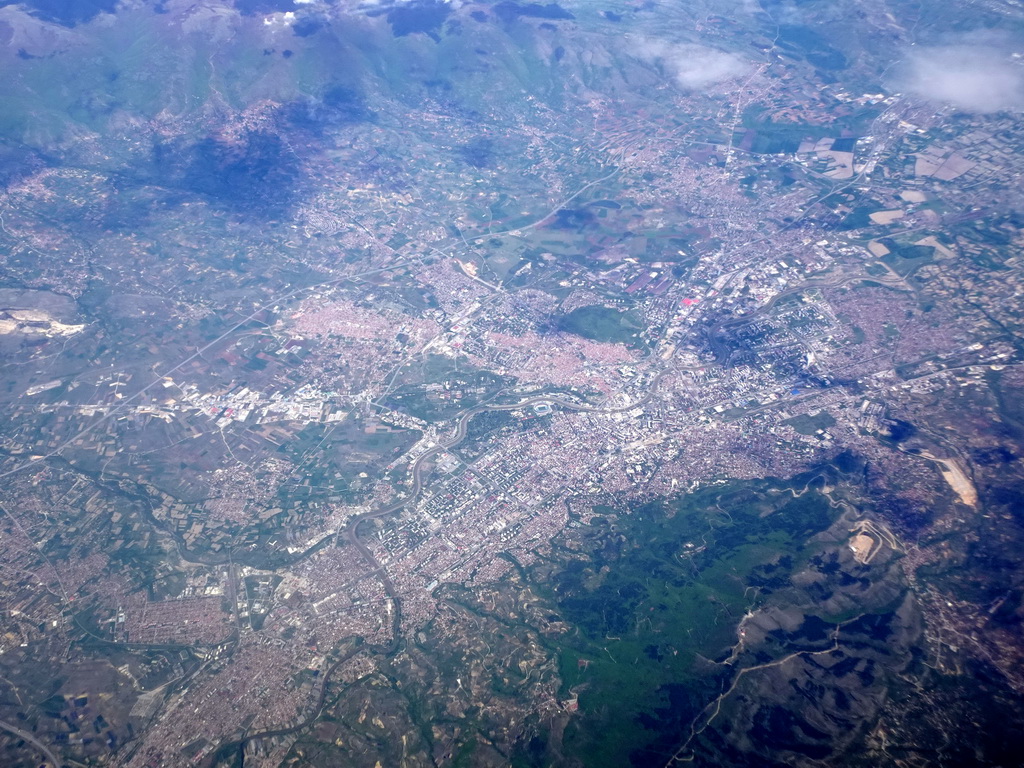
(693, 67)
(971, 78)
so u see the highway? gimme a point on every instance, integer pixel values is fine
(29, 738)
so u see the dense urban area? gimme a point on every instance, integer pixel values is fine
(445, 384)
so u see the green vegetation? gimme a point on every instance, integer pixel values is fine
(904, 260)
(807, 424)
(441, 387)
(777, 139)
(602, 324)
(859, 218)
(660, 597)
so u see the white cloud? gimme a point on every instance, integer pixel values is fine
(971, 78)
(693, 67)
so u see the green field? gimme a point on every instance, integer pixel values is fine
(602, 324)
(659, 601)
(806, 424)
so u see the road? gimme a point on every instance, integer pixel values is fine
(29, 738)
